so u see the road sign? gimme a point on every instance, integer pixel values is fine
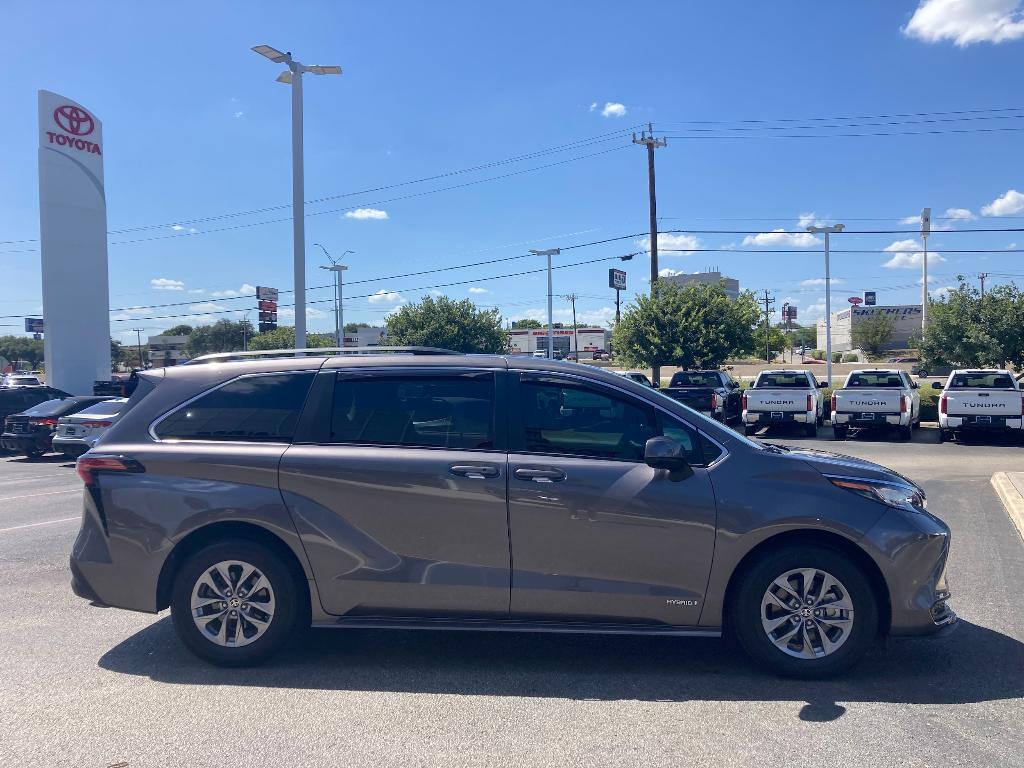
(34, 325)
(617, 279)
(266, 294)
(855, 300)
(869, 298)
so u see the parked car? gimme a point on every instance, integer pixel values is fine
(986, 400)
(713, 393)
(572, 357)
(783, 398)
(638, 376)
(924, 370)
(21, 380)
(79, 432)
(18, 399)
(602, 355)
(876, 398)
(31, 432)
(256, 497)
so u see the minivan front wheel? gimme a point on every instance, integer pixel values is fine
(805, 611)
(234, 603)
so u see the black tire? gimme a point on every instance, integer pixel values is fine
(33, 455)
(749, 431)
(840, 433)
(943, 435)
(906, 432)
(745, 611)
(290, 611)
(811, 430)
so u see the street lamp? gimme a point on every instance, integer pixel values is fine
(926, 229)
(835, 228)
(551, 333)
(293, 77)
(339, 281)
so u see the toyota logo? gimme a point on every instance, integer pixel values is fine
(74, 120)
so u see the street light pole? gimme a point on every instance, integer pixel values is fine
(926, 229)
(834, 229)
(293, 77)
(339, 276)
(551, 332)
(138, 336)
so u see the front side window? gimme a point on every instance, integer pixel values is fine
(453, 411)
(250, 409)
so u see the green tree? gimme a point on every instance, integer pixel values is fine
(526, 323)
(25, 348)
(221, 336)
(873, 333)
(179, 330)
(283, 337)
(968, 329)
(449, 324)
(353, 327)
(776, 341)
(693, 326)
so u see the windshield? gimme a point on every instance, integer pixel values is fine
(880, 379)
(105, 408)
(782, 381)
(691, 379)
(981, 381)
(45, 408)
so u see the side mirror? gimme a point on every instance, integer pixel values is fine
(936, 385)
(666, 453)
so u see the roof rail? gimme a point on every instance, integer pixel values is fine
(225, 357)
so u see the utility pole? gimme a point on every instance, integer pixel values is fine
(926, 229)
(138, 336)
(830, 230)
(647, 139)
(785, 320)
(768, 301)
(339, 286)
(245, 332)
(575, 333)
(551, 328)
(982, 277)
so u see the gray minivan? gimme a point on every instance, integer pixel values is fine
(258, 497)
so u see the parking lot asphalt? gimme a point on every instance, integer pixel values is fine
(85, 686)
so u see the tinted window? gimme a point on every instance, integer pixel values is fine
(682, 379)
(46, 408)
(443, 411)
(699, 450)
(782, 381)
(564, 418)
(981, 381)
(253, 408)
(875, 380)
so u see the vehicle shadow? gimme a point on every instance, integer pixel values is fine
(47, 458)
(973, 664)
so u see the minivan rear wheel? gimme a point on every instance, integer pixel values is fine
(806, 611)
(234, 603)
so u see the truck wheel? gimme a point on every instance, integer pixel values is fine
(839, 433)
(804, 611)
(811, 430)
(943, 435)
(749, 431)
(906, 432)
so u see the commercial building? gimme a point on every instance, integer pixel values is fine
(906, 323)
(729, 284)
(526, 341)
(364, 337)
(167, 350)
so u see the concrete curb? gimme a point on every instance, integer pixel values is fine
(1012, 500)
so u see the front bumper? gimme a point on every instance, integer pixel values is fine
(29, 442)
(868, 419)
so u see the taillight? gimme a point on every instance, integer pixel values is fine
(833, 402)
(903, 404)
(810, 403)
(744, 401)
(714, 401)
(46, 421)
(942, 405)
(96, 423)
(89, 466)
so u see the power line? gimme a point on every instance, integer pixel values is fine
(849, 125)
(856, 135)
(848, 117)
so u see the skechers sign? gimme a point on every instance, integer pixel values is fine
(74, 123)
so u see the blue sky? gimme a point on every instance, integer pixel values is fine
(196, 127)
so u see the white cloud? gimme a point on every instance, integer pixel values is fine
(166, 284)
(436, 292)
(593, 106)
(906, 257)
(196, 290)
(476, 289)
(239, 114)
(206, 306)
(177, 227)
(362, 214)
(967, 21)
(670, 272)
(943, 291)
(676, 245)
(613, 109)
(806, 220)
(245, 290)
(387, 297)
(597, 317)
(783, 238)
(1005, 205)
(813, 312)
(821, 281)
(960, 214)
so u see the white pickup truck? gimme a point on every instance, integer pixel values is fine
(876, 398)
(783, 398)
(987, 400)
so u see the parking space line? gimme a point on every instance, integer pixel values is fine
(47, 522)
(27, 477)
(45, 493)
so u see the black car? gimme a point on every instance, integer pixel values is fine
(18, 399)
(31, 431)
(714, 393)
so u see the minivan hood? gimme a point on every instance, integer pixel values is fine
(829, 463)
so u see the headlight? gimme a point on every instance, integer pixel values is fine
(891, 494)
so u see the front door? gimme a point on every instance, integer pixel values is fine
(596, 534)
(400, 503)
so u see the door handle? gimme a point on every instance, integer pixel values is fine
(540, 474)
(474, 471)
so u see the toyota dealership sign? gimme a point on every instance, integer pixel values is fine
(73, 124)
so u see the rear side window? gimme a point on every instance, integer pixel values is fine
(250, 409)
(981, 381)
(782, 381)
(427, 411)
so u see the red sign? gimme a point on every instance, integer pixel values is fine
(855, 300)
(74, 120)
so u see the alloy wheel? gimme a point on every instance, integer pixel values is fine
(232, 603)
(807, 613)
